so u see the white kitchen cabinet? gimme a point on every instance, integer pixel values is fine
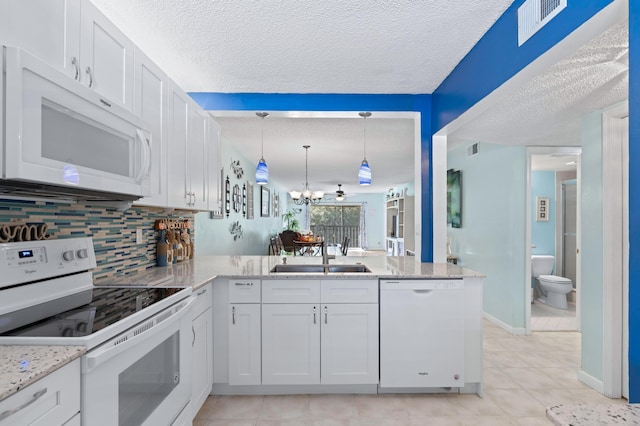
(150, 104)
(202, 348)
(290, 344)
(349, 335)
(52, 400)
(244, 344)
(75, 37)
(106, 57)
(188, 161)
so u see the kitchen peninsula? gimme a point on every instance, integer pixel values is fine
(255, 309)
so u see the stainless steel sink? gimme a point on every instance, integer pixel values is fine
(320, 269)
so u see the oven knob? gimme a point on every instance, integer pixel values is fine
(68, 255)
(82, 254)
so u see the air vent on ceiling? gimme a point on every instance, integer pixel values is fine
(535, 14)
(472, 150)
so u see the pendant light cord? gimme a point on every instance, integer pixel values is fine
(364, 131)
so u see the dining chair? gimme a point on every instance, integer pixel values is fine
(345, 246)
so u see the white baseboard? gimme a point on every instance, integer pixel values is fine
(590, 381)
(505, 326)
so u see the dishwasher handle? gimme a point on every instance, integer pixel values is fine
(425, 292)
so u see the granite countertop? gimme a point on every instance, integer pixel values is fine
(202, 269)
(22, 365)
(594, 414)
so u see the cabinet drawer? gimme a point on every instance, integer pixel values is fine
(203, 300)
(291, 291)
(349, 291)
(244, 291)
(51, 400)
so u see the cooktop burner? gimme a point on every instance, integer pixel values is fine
(108, 305)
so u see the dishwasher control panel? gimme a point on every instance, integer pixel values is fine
(450, 284)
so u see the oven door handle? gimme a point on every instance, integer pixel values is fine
(132, 337)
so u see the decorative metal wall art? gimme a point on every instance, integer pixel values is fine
(237, 202)
(235, 229)
(250, 203)
(237, 169)
(244, 200)
(227, 196)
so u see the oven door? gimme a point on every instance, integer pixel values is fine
(143, 376)
(62, 133)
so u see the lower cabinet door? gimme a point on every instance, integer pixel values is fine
(349, 335)
(290, 344)
(202, 360)
(244, 344)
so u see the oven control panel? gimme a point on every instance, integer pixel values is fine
(39, 260)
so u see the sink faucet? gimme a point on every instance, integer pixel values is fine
(325, 256)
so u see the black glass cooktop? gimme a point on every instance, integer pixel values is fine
(108, 305)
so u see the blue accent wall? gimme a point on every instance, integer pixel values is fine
(543, 233)
(634, 201)
(496, 57)
(344, 102)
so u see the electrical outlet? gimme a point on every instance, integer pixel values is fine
(139, 236)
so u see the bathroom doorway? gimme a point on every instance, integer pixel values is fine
(554, 225)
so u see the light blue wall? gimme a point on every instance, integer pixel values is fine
(591, 247)
(213, 236)
(543, 233)
(492, 237)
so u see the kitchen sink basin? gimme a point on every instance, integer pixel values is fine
(320, 269)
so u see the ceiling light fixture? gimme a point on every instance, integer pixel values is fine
(262, 171)
(306, 196)
(339, 193)
(364, 174)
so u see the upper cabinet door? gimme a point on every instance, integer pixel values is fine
(150, 103)
(48, 29)
(178, 127)
(198, 161)
(214, 166)
(106, 57)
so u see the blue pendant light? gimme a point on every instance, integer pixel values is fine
(262, 171)
(364, 174)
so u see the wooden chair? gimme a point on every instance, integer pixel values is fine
(287, 237)
(275, 246)
(345, 246)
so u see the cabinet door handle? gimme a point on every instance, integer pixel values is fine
(325, 314)
(90, 74)
(33, 399)
(233, 315)
(193, 342)
(201, 292)
(76, 67)
(314, 314)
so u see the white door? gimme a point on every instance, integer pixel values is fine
(244, 344)
(290, 344)
(202, 359)
(106, 57)
(349, 344)
(177, 147)
(197, 155)
(150, 103)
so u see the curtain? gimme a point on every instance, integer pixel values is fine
(363, 228)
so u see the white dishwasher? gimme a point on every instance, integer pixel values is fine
(421, 333)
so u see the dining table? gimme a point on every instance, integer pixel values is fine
(308, 248)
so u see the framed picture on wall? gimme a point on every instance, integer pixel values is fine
(454, 198)
(542, 209)
(264, 201)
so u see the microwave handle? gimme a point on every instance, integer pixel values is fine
(146, 156)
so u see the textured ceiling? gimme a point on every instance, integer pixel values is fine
(547, 111)
(294, 46)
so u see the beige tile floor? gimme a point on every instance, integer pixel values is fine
(522, 376)
(548, 318)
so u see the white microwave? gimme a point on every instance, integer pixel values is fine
(63, 135)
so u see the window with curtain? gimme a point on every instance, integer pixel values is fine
(336, 222)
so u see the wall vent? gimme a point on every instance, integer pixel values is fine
(472, 150)
(535, 14)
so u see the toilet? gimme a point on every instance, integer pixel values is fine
(553, 288)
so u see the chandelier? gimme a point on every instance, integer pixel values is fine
(306, 196)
